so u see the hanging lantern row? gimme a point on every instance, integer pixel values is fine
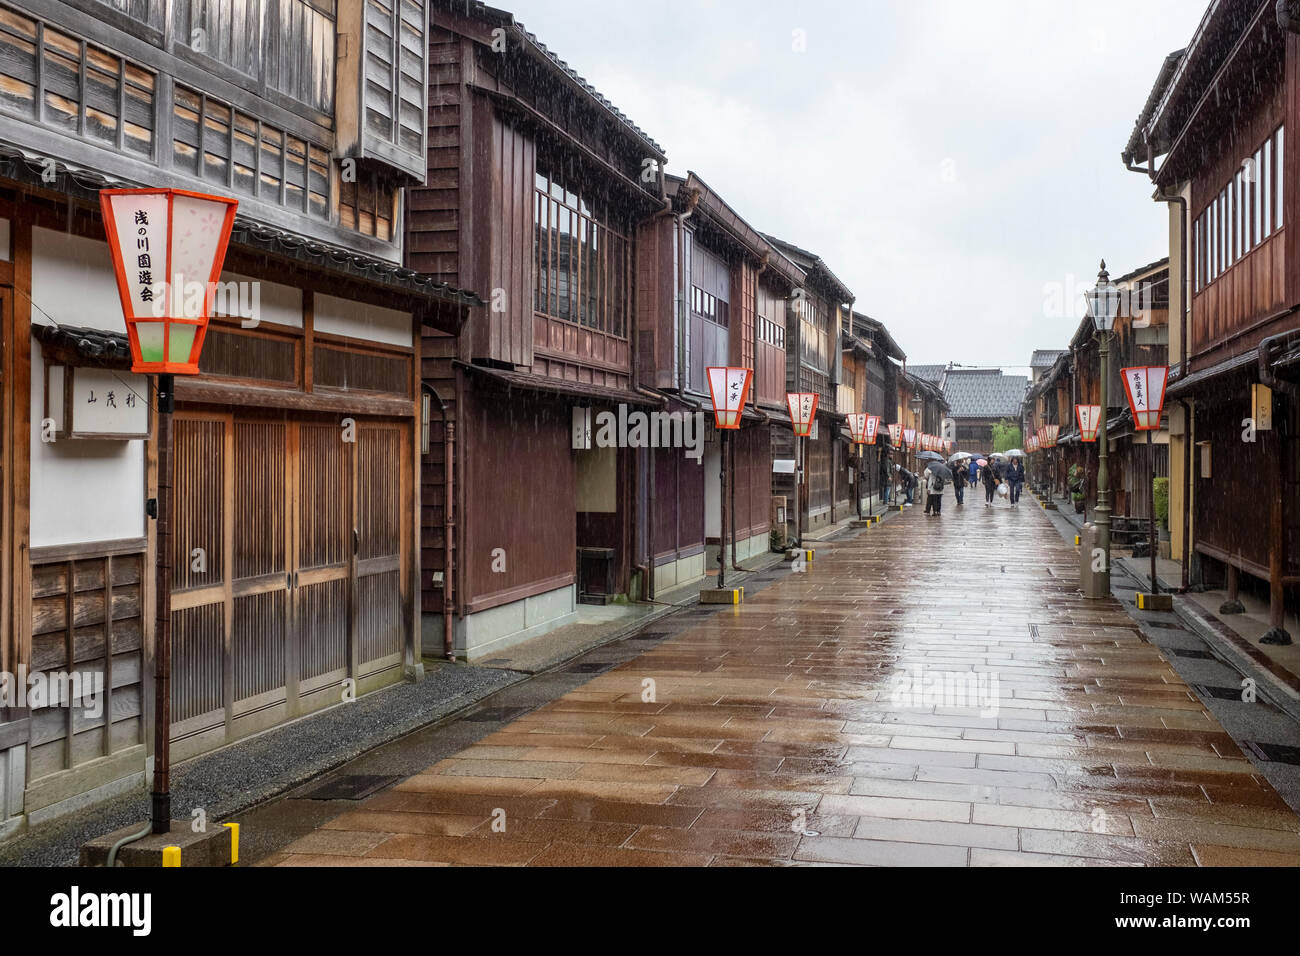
(729, 387)
(1145, 386)
(1089, 418)
(863, 428)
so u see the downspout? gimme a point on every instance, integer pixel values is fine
(1277, 633)
(448, 521)
(649, 571)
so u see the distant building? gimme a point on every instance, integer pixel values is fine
(978, 399)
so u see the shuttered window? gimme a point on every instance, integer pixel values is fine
(74, 86)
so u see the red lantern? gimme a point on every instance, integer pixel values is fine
(1145, 386)
(857, 428)
(803, 408)
(729, 388)
(873, 427)
(1049, 435)
(895, 433)
(168, 246)
(1089, 417)
(909, 437)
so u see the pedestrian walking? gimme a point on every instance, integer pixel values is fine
(1016, 479)
(933, 492)
(973, 473)
(959, 485)
(989, 476)
(886, 479)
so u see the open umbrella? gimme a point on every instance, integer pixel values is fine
(930, 456)
(940, 469)
(960, 456)
(981, 462)
(1014, 453)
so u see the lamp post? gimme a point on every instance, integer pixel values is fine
(1146, 399)
(168, 246)
(1103, 306)
(729, 388)
(803, 409)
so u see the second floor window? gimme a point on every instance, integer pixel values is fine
(580, 269)
(1245, 213)
(708, 306)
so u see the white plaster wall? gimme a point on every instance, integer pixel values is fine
(358, 320)
(81, 490)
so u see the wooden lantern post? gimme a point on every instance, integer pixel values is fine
(1145, 386)
(168, 247)
(729, 388)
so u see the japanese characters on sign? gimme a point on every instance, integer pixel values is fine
(729, 387)
(803, 408)
(1089, 417)
(857, 424)
(895, 433)
(909, 437)
(97, 403)
(1145, 386)
(873, 428)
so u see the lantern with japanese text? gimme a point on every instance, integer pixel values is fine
(1089, 417)
(857, 424)
(895, 430)
(803, 408)
(168, 247)
(730, 388)
(909, 437)
(872, 429)
(1145, 386)
(1049, 435)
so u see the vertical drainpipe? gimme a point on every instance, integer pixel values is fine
(448, 521)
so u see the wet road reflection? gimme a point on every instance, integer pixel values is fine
(934, 691)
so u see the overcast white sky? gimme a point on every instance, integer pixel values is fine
(955, 162)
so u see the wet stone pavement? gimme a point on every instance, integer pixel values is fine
(932, 691)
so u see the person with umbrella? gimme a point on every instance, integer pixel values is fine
(937, 475)
(957, 465)
(988, 475)
(1015, 477)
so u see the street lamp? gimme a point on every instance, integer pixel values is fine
(803, 411)
(1103, 306)
(729, 388)
(168, 246)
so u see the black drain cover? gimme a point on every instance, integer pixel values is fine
(588, 667)
(1219, 693)
(491, 715)
(349, 787)
(1189, 652)
(1276, 753)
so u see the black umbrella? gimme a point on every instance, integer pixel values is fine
(929, 456)
(940, 469)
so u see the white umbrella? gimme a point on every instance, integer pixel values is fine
(1014, 453)
(960, 456)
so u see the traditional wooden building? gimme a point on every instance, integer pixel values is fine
(817, 315)
(714, 292)
(1230, 181)
(1139, 337)
(536, 188)
(870, 386)
(296, 580)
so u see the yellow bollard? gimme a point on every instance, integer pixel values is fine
(234, 837)
(171, 856)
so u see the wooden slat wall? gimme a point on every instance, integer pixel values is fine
(497, 485)
(1232, 473)
(506, 262)
(655, 303)
(753, 480)
(433, 220)
(73, 629)
(770, 367)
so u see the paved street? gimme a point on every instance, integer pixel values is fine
(933, 691)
